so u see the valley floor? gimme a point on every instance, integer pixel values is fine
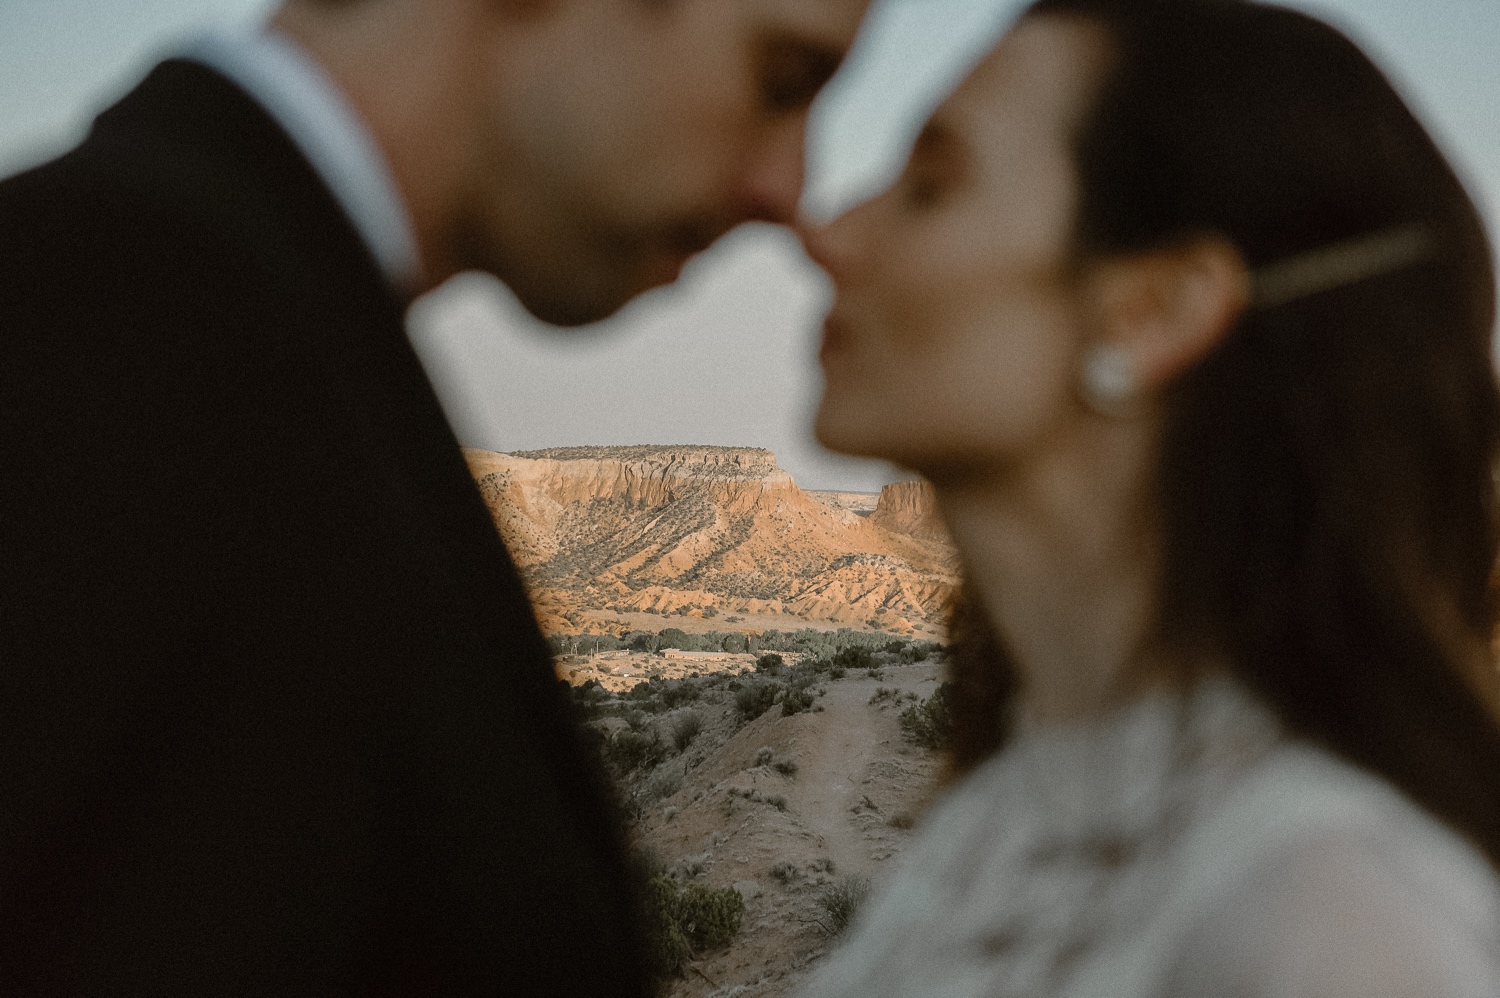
(785, 809)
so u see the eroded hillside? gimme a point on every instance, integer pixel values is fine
(622, 535)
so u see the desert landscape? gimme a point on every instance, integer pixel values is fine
(760, 667)
(614, 539)
(785, 795)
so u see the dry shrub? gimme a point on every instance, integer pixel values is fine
(683, 923)
(841, 903)
(686, 728)
(930, 723)
(754, 699)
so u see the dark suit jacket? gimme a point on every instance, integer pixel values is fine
(275, 715)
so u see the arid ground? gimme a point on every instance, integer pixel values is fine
(788, 811)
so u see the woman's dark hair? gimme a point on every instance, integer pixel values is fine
(1327, 491)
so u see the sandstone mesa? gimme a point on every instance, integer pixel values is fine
(616, 537)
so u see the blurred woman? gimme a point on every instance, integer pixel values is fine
(1188, 321)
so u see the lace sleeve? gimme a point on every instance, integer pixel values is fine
(1343, 918)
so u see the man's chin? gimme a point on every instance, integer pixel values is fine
(664, 269)
(576, 304)
(590, 285)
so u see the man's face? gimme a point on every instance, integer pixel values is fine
(614, 139)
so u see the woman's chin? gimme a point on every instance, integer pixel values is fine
(845, 430)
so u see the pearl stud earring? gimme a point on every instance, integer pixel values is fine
(1109, 381)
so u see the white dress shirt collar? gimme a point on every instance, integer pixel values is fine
(309, 106)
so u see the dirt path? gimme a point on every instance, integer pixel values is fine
(857, 775)
(784, 839)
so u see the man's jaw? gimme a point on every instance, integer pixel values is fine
(670, 254)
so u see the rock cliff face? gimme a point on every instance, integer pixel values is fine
(702, 531)
(910, 508)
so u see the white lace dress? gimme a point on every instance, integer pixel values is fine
(1183, 848)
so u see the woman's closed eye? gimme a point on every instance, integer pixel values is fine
(792, 72)
(936, 168)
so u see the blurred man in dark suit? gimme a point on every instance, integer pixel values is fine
(275, 716)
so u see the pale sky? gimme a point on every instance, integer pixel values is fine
(727, 356)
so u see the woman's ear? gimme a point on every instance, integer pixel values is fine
(1163, 311)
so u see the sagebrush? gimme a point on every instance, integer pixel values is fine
(841, 902)
(930, 723)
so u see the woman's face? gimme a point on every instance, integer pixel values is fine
(955, 338)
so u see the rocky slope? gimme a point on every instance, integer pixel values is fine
(910, 508)
(608, 534)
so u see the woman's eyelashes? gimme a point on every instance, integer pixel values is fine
(935, 170)
(792, 72)
(923, 189)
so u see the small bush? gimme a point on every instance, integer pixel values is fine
(930, 723)
(689, 867)
(687, 727)
(883, 693)
(756, 797)
(709, 918)
(769, 663)
(669, 949)
(842, 902)
(795, 701)
(875, 673)
(755, 699)
(784, 766)
(683, 921)
(854, 657)
(631, 750)
(785, 873)
(764, 755)
(661, 786)
(837, 672)
(674, 695)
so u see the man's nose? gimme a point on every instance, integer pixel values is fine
(774, 177)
